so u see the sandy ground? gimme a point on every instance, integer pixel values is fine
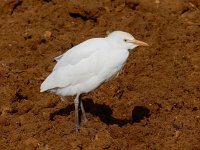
(153, 104)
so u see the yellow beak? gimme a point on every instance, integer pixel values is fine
(137, 42)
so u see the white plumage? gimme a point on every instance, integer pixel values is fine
(86, 66)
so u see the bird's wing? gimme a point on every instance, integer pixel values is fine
(79, 52)
(72, 74)
(100, 64)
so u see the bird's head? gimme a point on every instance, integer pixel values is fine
(124, 40)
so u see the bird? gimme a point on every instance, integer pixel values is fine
(86, 66)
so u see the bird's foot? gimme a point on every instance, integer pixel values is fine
(77, 128)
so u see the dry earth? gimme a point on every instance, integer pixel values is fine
(153, 104)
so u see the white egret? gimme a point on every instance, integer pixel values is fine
(86, 66)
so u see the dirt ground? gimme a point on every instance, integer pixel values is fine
(153, 104)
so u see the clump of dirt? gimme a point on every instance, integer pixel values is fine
(153, 104)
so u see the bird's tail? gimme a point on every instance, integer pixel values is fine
(43, 87)
(57, 79)
(47, 83)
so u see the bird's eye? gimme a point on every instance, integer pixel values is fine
(125, 40)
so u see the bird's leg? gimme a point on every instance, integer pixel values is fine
(76, 104)
(83, 111)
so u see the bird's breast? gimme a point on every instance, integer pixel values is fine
(112, 63)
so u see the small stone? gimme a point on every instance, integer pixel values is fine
(177, 134)
(47, 34)
(120, 8)
(157, 1)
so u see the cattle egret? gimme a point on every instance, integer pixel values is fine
(86, 66)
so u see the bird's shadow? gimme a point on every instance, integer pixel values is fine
(104, 112)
